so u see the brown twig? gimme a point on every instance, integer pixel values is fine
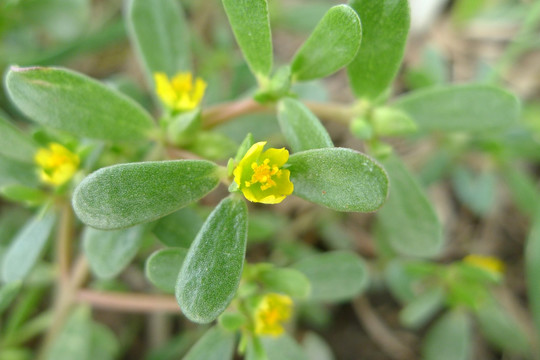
(128, 302)
(379, 332)
(221, 113)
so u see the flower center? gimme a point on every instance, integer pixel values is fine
(263, 173)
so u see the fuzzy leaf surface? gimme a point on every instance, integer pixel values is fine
(123, 195)
(340, 179)
(332, 45)
(69, 101)
(385, 26)
(213, 266)
(472, 108)
(250, 23)
(301, 127)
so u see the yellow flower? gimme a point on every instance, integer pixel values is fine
(180, 93)
(488, 263)
(57, 165)
(271, 312)
(260, 176)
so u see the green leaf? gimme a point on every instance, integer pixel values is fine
(287, 281)
(109, 252)
(477, 191)
(532, 268)
(334, 276)
(213, 266)
(475, 108)
(408, 221)
(340, 179)
(420, 310)
(385, 24)
(13, 172)
(523, 189)
(216, 344)
(179, 228)
(332, 45)
(8, 292)
(69, 101)
(400, 282)
(301, 128)
(103, 343)
(501, 329)
(160, 35)
(26, 248)
(251, 26)
(283, 348)
(127, 194)
(449, 338)
(24, 194)
(316, 347)
(14, 144)
(163, 266)
(74, 341)
(232, 321)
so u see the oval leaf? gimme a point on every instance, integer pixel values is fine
(449, 338)
(332, 45)
(500, 329)
(385, 25)
(461, 108)
(163, 266)
(14, 144)
(213, 266)
(251, 26)
(340, 179)
(407, 221)
(160, 35)
(127, 194)
(109, 252)
(301, 128)
(334, 276)
(216, 344)
(26, 248)
(69, 101)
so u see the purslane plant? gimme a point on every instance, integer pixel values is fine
(123, 198)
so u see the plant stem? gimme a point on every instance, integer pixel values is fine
(64, 246)
(63, 304)
(222, 113)
(128, 302)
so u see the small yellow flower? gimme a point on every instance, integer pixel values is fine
(57, 165)
(488, 263)
(260, 176)
(271, 312)
(180, 93)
